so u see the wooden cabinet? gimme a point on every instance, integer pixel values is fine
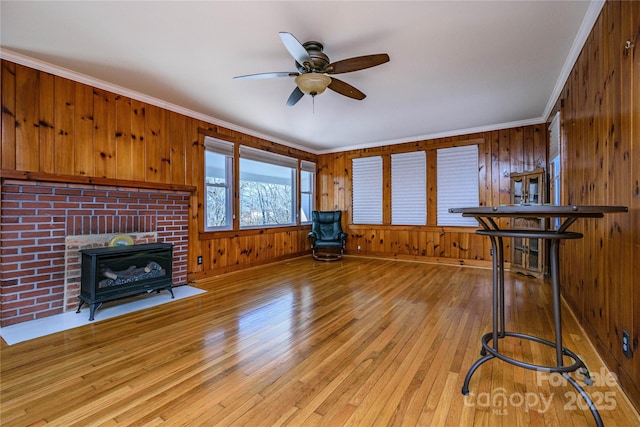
(528, 255)
(528, 188)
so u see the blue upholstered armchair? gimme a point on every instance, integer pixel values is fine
(327, 237)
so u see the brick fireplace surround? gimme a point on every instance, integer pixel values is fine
(36, 217)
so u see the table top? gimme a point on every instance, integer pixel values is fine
(539, 211)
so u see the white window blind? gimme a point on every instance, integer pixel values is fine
(367, 190)
(307, 166)
(263, 156)
(217, 146)
(457, 175)
(409, 188)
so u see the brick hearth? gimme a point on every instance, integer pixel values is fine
(36, 218)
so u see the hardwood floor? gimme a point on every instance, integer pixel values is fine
(359, 342)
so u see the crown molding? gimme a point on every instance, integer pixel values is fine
(46, 67)
(590, 18)
(456, 132)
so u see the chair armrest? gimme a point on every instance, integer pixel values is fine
(313, 235)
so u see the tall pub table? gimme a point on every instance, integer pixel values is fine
(486, 217)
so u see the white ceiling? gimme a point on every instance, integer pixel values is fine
(456, 66)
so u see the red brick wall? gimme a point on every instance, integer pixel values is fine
(37, 216)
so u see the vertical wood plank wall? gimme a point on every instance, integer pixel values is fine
(55, 127)
(600, 113)
(51, 125)
(500, 153)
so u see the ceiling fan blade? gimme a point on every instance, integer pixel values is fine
(295, 48)
(295, 97)
(266, 75)
(357, 63)
(345, 89)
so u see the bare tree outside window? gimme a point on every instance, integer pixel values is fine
(264, 204)
(216, 202)
(266, 194)
(218, 191)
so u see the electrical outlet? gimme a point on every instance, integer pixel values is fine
(200, 260)
(626, 344)
(358, 247)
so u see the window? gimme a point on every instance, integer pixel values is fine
(409, 188)
(267, 188)
(367, 190)
(457, 180)
(218, 179)
(307, 185)
(554, 164)
(266, 192)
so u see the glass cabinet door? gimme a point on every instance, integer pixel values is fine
(533, 254)
(518, 252)
(528, 255)
(517, 186)
(533, 190)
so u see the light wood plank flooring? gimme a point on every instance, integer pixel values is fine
(360, 342)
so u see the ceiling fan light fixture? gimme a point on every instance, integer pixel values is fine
(313, 83)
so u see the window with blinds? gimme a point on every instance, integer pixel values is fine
(218, 183)
(307, 181)
(267, 188)
(409, 188)
(367, 190)
(457, 176)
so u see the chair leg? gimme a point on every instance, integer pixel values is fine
(324, 256)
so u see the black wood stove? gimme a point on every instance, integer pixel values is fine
(110, 273)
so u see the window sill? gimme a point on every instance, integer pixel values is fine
(222, 234)
(445, 228)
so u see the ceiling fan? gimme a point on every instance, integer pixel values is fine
(314, 69)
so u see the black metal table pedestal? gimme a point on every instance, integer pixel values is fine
(490, 341)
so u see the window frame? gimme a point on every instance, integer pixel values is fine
(225, 149)
(408, 179)
(256, 155)
(310, 168)
(454, 156)
(374, 194)
(233, 151)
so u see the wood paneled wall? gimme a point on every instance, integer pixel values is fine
(57, 126)
(600, 111)
(57, 129)
(500, 153)
(54, 126)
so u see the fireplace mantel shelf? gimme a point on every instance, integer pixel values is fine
(73, 179)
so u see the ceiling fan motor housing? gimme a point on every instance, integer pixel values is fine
(319, 60)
